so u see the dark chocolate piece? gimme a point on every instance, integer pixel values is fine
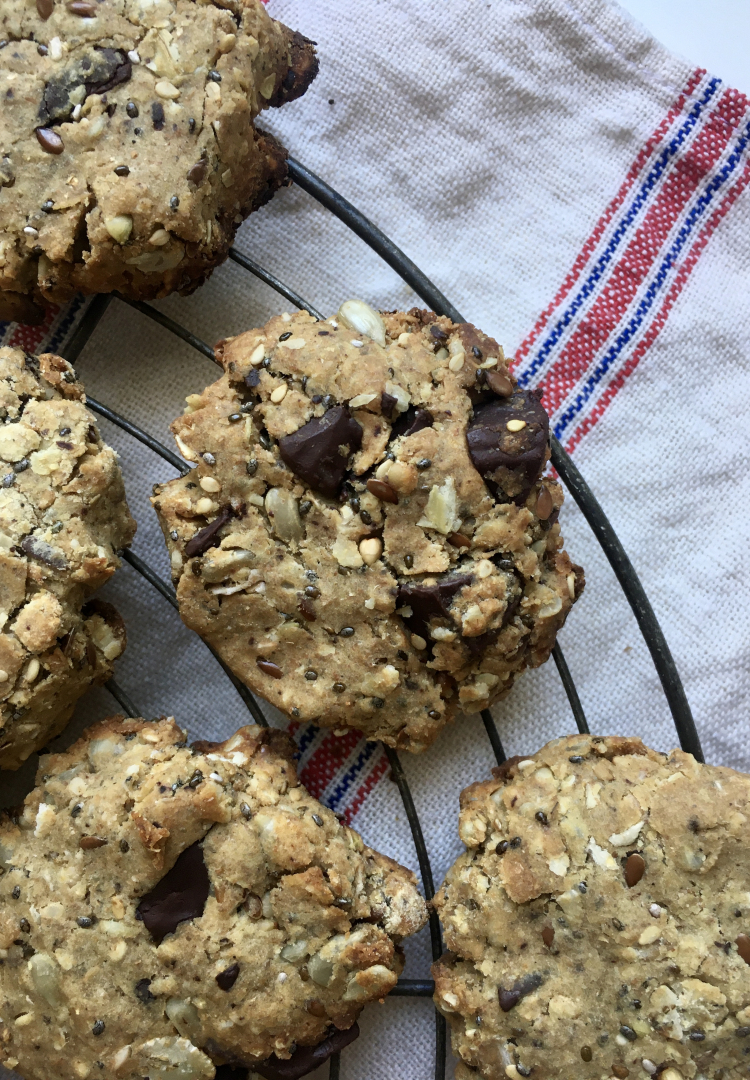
(387, 404)
(306, 1059)
(526, 985)
(180, 895)
(510, 460)
(411, 421)
(44, 552)
(143, 991)
(208, 538)
(319, 451)
(426, 601)
(99, 70)
(226, 979)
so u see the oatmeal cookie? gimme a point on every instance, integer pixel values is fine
(367, 538)
(598, 922)
(167, 909)
(63, 517)
(128, 155)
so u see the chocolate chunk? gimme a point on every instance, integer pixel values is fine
(252, 379)
(479, 644)
(411, 421)
(387, 404)
(98, 70)
(143, 992)
(318, 452)
(438, 334)
(306, 1059)
(45, 8)
(44, 552)
(427, 601)
(226, 979)
(548, 935)
(509, 460)
(742, 941)
(208, 538)
(635, 867)
(180, 895)
(526, 985)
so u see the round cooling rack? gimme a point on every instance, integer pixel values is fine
(569, 474)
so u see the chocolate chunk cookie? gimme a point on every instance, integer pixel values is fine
(63, 517)
(367, 537)
(128, 155)
(165, 910)
(599, 922)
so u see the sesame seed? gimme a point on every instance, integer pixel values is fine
(338, 688)
(85, 922)
(16, 893)
(408, 561)
(424, 463)
(234, 417)
(317, 819)
(346, 631)
(311, 676)
(251, 467)
(214, 75)
(245, 811)
(378, 702)
(98, 1027)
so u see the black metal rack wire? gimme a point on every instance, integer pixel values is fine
(567, 471)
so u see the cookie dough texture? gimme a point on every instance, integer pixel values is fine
(164, 910)
(128, 155)
(598, 922)
(63, 516)
(336, 541)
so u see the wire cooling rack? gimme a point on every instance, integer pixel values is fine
(567, 471)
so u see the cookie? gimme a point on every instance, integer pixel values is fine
(167, 909)
(63, 517)
(599, 922)
(129, 156)
(367, 538)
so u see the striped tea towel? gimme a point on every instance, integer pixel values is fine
(579, 193)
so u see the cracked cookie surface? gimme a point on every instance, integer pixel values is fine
(128, 155)
(63, 517)
(598, 922)
(167, 909)
(366, 538)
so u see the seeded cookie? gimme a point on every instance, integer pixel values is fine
(128, 155)
(598, 922)
(366, 537)
(63, 516)
(165, 909)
